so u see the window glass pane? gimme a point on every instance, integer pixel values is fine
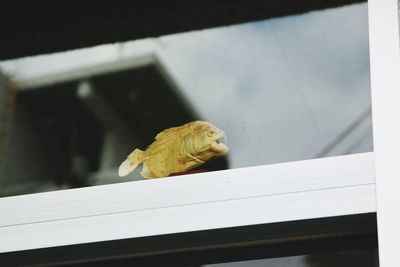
(281, 89)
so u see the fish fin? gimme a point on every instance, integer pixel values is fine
(132, 161)
(196, 159)
(126, 167)
(151, 173)
(168, 133)
(146, 173)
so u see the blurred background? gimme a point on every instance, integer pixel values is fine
(283, 89)
(357, 258)
(286, 86)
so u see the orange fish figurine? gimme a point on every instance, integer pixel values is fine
(177, 150)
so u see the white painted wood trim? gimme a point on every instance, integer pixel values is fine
(385, 84)
(272, 193)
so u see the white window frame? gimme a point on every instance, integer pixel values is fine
(283, 192)
(385, 87)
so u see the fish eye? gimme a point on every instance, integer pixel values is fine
(211, 133)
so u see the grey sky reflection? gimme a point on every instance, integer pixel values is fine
(282, 89)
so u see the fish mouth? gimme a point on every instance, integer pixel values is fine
(221, 140)
(220, 145)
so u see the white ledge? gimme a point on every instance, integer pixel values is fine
(265, 194)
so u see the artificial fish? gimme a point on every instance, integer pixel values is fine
(177, 150)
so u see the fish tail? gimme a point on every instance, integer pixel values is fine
(132, 161)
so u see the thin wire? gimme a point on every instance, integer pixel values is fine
(346, 132)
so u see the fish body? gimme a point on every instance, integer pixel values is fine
(177, 149)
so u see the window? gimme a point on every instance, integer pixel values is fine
(253, 191)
